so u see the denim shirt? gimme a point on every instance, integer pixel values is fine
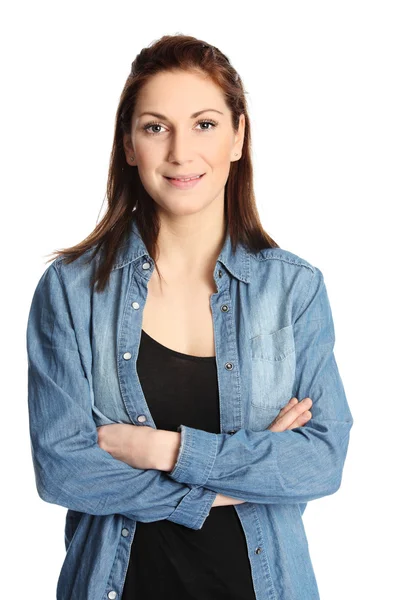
(274, 339)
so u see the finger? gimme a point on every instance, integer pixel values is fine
(301, 420)
(285, 419)
(290, 412)
(280, 425)
(288, 406)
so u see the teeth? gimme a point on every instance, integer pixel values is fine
(189, 178)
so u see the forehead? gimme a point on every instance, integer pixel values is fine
(179, 93)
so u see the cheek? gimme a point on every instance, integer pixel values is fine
(219, 165)
(148, 157)
(220, 155)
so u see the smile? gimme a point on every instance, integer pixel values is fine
(184, 184)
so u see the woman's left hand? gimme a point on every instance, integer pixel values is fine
(132, 444)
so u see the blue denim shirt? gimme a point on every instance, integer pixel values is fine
(274, 339)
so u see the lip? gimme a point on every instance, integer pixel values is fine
(184, 176)
(184, 185)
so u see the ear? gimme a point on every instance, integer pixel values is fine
(239, 139)
(128, 149)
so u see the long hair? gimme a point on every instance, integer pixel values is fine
(126, 195)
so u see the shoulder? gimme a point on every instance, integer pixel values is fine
(285, 257)
(280, 273)
(78, 270)
(61, 279)
(286, 266)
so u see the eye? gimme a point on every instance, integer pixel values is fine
(149, 126)
(208, 122)
(152, 124)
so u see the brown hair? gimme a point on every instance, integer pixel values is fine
(125, 191)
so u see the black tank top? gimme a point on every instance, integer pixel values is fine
(169, 560)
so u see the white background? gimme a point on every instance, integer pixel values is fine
(322, 82)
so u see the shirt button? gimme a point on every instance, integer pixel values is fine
(112, 595)
(146, 265)
(219, 273)
(135, 305)
(229, 366)
(125, 532)
(127, 355)
(230, 432)
(258, 550)
(224, 308)
(142, 418)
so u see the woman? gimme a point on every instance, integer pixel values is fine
(174, 356)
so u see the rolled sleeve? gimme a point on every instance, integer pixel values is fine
(202, 499)
(196, 456)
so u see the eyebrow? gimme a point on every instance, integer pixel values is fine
(193, 116)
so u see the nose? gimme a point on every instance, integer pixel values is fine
(181, 146)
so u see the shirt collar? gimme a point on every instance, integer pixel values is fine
(237, 263)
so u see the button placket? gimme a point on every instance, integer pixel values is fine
(224, 309)
(127, 355)
(229, 365)
(141, 418)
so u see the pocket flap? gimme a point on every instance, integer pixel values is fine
(273, 346)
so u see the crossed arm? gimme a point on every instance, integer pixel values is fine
(295, 465)
(74, 471)
(148, 448)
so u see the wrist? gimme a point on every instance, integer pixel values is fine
(166, 449)
(222, 500)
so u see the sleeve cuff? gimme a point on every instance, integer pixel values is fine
(196, 457)
(194, 508)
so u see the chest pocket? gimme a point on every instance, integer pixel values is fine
(273, 367)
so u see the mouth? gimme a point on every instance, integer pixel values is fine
(185, 178)
(182, 183)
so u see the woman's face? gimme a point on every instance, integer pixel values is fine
(170, 140)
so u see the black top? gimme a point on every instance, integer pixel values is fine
(169, 560)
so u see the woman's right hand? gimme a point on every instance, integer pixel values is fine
(294, 414)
